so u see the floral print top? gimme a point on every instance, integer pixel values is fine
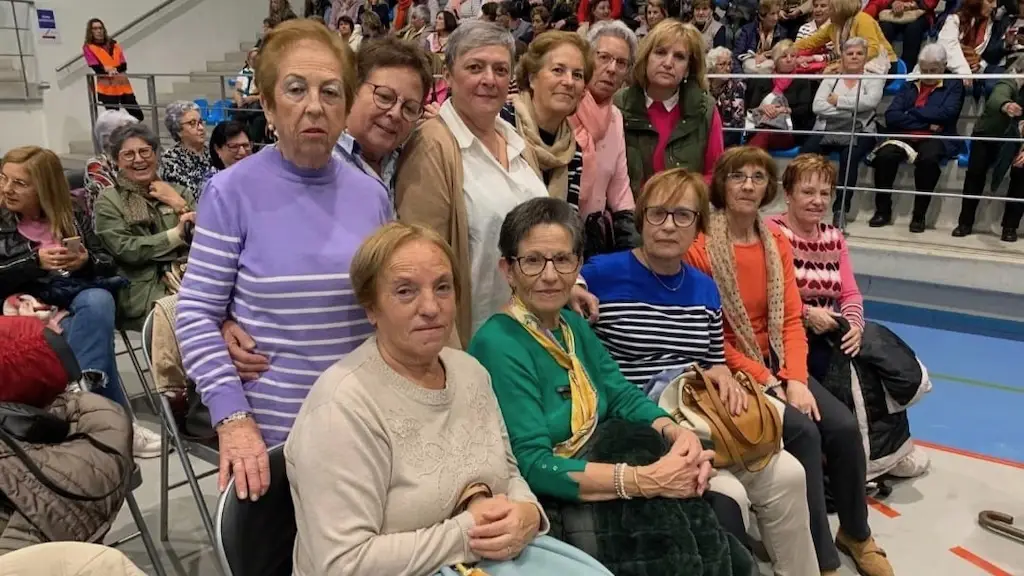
(729, 100)
(181, 166)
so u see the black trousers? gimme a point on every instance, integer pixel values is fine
(913, 36)
(927, 171)
(729, 515)
(983, 156)
(126, 101)
(837, 438)
(861, 148)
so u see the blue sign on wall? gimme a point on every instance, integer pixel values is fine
(47, 23)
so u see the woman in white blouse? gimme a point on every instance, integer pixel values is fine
(464, 170)
(833, 104)
(973, 40)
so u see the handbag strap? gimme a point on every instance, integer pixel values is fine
(726, 416)
(45, 481)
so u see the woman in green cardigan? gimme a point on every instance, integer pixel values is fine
(562, 394)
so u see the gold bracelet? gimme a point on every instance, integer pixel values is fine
(637, 482)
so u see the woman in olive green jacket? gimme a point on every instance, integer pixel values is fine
(669, 118)
(144, 223)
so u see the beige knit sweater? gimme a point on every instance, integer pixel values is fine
(377, 463)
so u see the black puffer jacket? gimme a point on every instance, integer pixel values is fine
(878, 386)
(20, 271)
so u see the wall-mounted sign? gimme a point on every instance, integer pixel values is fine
(46, 22)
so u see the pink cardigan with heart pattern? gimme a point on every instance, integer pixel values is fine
(824, 274)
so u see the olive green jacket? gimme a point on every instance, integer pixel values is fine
(993, 121)
(687, 144)
(143, 252)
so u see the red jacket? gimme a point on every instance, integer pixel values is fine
(874, 7)
(583, 8)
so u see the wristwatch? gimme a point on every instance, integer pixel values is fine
(233, 417)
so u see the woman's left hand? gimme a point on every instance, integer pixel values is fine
(166, 194)
(684, 442)
(76, 260)
(507, 529)
(850, 344)
(800, 397)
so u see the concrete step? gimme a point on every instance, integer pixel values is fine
(224, 67)
(80, 147)
(16, 90)
(11, 75)
(74, 161)
(236, 56)
(246, 46)
(6, 64)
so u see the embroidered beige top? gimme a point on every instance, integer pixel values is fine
(377, 463)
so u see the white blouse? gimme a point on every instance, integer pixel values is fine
(491, 193)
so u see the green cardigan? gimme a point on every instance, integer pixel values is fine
(527, 380)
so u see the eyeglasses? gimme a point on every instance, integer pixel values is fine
(16, 185)
(681, 217)
(130, 155)
(193, 124)
(246, 146)
(758, 178)
(534, 264)
(604, 59)
(385, 98)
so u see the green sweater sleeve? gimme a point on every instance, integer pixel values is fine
(500, 346)
(625, 400)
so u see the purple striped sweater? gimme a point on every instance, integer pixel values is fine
(272, 249)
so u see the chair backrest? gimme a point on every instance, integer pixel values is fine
(147, 340)
(257, 538)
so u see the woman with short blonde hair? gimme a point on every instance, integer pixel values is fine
(846, 21)
(671, 119)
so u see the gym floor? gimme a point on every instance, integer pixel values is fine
(970, 426)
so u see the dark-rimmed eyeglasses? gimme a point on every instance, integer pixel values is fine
(534, 264)
(386, 98)
(758, 178)
(681, 217)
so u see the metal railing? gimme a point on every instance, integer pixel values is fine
(121, 31)
(24, 52)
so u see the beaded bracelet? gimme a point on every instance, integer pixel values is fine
(619, 479)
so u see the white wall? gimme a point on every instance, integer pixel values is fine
(179, 40)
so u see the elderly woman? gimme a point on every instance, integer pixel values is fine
(606, 203)
(373, 504)
(834, 102)
(567, 405)
(540, 20)
(921, 109)
(711, 29)
(846, 20)
(658, 314)
(144, 223)
(752, 265)
(284, 223)
(229, 144)
(671, 120)
(187, 162)
(419, 20)
(464, 170)
(836, 331)
(552, 77)
(101, 170)
(974, 42)
(770, 98)
(752, 51)
(728, 94)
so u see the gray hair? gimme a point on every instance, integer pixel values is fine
(422, 11)
(106, 123)
(934, 53)
(715, 54)
(537, 212)
(613, 29)
(473, 34)
(855, 41)
(173, 115)
(126, 132)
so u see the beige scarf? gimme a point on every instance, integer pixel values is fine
(723, 268)
(553, 159)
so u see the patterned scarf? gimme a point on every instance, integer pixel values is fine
(723, 268)
(554, 158)
(584, 397)
(135, 197)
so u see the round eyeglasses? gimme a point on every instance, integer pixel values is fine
(386, 98)
(758, 178)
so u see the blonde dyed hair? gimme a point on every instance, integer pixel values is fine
(668, 32)
(46, 175)
(842, 10)
(670, 187)
(284, 38)
(376, 252)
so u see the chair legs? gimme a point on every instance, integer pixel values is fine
(147, 538)
(139, 371)
(197, 493)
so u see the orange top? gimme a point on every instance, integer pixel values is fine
(752, 276)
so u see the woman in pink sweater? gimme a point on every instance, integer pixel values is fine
(824, 274)
(606, 202)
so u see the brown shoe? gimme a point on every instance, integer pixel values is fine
(867, 555)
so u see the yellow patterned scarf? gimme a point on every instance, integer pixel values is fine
(584, 397)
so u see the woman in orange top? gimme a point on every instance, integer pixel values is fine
(103, 54)
(764, 336)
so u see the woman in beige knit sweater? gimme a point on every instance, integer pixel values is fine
(399, 460)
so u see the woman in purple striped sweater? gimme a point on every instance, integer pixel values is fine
(273, 243)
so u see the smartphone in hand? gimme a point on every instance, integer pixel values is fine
(74, 244)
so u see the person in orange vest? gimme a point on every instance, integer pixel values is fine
(103, 54)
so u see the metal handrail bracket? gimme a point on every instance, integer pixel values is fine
(121, 32)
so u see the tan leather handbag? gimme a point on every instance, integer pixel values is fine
(749, 440)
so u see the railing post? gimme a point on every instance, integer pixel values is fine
(94, 114)
(21, 53)
(154, 117)
(849, 157)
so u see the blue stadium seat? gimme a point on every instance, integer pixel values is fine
(218, 112)
(962, 159)
(894, 86)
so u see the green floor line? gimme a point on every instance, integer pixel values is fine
(973, 382)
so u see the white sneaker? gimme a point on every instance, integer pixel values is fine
(145, 442)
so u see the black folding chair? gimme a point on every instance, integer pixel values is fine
(256, 538)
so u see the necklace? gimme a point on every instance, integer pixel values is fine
(647, 264)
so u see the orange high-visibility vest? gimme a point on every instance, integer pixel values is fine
(110, 85)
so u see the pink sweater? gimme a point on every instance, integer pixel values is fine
(823, 271)
(664, 122)
(605, 180)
